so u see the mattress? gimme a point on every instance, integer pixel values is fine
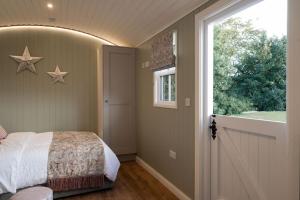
(24, 161)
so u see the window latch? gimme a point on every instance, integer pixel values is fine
(213, 127)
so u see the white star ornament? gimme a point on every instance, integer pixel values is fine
(26, 61)
(57, 75)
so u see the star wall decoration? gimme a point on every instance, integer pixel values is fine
(57, 75)
(26, 61)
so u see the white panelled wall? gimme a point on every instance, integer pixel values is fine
(125, 23)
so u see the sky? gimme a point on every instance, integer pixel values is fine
(269, 15)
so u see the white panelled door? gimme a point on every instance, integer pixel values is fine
(248, 159)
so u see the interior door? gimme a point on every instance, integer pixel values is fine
(119, 99)
(248, 159)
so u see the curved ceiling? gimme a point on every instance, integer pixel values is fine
(122, 22)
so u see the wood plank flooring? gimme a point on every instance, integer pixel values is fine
(133, 183)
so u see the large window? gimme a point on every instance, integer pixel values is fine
(248, 55)
(165, 87)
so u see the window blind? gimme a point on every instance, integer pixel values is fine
(162, 52)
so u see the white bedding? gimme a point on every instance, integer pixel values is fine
(24, 160)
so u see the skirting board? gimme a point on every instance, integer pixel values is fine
(162, 179)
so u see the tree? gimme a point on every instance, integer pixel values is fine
(231, 39)
(261, 74)
(249, 69)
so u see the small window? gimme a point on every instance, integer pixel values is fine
(165, 86)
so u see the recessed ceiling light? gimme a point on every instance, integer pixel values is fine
(50, 5)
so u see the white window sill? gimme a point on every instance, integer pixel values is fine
(164, 105)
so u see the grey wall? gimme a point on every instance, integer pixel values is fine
(162, 129)
(32, 102)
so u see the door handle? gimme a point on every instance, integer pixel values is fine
(213, 127)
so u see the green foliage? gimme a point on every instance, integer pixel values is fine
(227, 105)
(173, 87)
(249, 69)
(261, 75)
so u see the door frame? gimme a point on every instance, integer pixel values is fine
(202, 138)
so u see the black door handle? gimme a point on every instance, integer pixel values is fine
(213, 127)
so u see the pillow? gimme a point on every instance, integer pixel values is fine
(3, 133)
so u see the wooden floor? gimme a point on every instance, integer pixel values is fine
(133, 183)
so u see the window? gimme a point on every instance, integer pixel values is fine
(248, 56)
(165, 88)
(165, 83)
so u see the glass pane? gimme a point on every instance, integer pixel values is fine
(173, 87)
(161, 80)
(249, 58)
(165, 93)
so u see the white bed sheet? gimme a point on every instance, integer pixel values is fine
(24, 160)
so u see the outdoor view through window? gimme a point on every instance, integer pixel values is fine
(249, 57)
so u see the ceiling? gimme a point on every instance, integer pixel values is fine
(122, 22)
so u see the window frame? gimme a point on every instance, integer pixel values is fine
(157, 88)
(156, 80)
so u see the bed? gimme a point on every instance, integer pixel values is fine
(68, 162)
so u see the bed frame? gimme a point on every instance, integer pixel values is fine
(56, 195)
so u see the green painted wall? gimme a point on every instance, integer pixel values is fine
(162, 129)
(32, 102)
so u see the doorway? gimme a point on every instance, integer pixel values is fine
(244, 151)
